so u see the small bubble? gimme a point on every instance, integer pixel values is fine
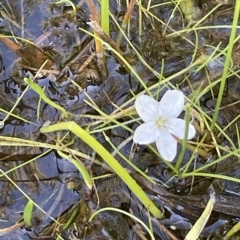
(173, 227)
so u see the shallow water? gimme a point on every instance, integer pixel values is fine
(50, 179)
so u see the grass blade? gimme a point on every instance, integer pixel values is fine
(109, 159)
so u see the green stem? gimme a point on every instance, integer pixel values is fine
(227, 63)
(212, 175)
(41, 93)
(105, 16)
(184, 142)
(110, 160)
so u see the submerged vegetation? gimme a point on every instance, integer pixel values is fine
(77, 162)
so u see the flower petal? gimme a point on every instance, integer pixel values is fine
(176, 126)
(167, 145)
(146, 133)
(147, 108)
(171, 104)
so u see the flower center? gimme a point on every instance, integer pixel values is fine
(160, 122)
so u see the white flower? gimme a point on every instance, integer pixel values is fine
(161, 123)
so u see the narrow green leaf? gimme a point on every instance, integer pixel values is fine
(81, 168)
(105, 16)
(201, 222)
(227, 63)
(41, 93)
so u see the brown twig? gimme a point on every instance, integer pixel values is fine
(30, 54)
(126, 20)
(96, 28)
(95, 17)
(170, 234)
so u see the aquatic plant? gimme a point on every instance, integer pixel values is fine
(161, 124)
